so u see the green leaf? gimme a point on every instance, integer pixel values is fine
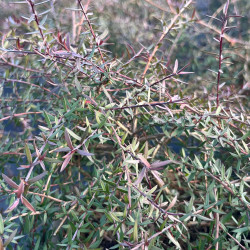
(73, 134)
(173, 240)
(241, 230)
(78, 85)
(191, 176)
(37, 243)
(114, 217)
(28, 154)
(135, 231)
(10, 238)
(1, 224)
(47, 119)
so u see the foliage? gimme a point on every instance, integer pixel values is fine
(119, 153)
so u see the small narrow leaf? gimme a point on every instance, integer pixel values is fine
(135, 232)
(42, 165)
(141, 176)
(175, 66)
(13, 206)
(83, 152)
(73, 134)
(172, 203)
(185, 73)
(68, 140)
(65, 149)
(20, 189)
(37, 151)
(1, 225)
(144, 161)
(28, 205)
(66, 162)
(173, 240)
(159, 164)
(28, 154)
(11, 237)
(47, 119)
(225, 9)
(9, 181)
(37, 178)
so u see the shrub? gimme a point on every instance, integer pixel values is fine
(117, 153)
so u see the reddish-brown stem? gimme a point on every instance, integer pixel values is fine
(17, 115)
(220, 62)
(32, 5)
(223, 26)
(166, 31)
(91, 30)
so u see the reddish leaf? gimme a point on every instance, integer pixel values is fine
(66, 162)
(159, 164)
(20, 189)
(68, 140)
(59, 37)
(9, 181)
(69, 153)
(144, 161)
(131, 48)
(43, 156)
(106, 39)
(28, 205)
(193, 15)
(141, 176)
(42, 165)
(18, 44)
(13, 206)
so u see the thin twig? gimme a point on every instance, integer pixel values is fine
(167, 30)
(17, 115)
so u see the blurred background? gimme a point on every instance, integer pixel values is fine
(139, 23)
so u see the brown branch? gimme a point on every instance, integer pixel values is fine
(32, 5)
(91, 30)
(167, 30)
(17, 115)
(47, 196)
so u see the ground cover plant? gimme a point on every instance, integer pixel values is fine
(129, 149)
